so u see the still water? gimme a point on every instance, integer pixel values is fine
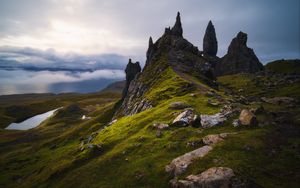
(31, 122)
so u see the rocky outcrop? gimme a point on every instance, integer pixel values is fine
(239, 58)
(186, 118)
(169, 51)
(210, 44)
(208, 121)
(180, 164)
(177, 28)
(247, 118)
(132, 69)
(215, 177)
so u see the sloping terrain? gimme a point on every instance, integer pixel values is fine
(132, 141)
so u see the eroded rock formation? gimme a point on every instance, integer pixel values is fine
(132, 69)
(210, 44)
(177, 28)
(239, 58)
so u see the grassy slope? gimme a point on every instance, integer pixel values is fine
(132, 155)
(284, 66)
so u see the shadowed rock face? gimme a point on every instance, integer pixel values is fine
(171, 50)
(210, 44)
(177, 28)
(132, 69)
(239, 58)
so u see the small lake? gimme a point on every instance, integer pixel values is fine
(31, 122)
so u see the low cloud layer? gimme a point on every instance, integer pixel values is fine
(23, 81)
(34, 59)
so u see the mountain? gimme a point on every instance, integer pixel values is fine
(115, 87)
(188, 118)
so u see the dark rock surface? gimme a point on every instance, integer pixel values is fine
(210, 44)
(239, 58)
(132, 69)
(177, 28)
(170, 50)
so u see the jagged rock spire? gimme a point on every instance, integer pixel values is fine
(210, 44)
(132, 69)
(150, 46)
(177, 28)
(239, 58)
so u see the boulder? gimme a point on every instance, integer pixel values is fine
(247, 118)
(215, 177)
(212, 139)
(186, 118)
(178, 105)
(239, 58)
(210, 44)
(180, 164)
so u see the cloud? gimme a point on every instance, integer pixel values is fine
(22, 81)
(34, 59)
(123, 27)
(49, 77)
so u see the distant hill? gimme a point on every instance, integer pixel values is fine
(284, 66)
(116, 87)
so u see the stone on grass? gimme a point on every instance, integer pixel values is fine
(215, 177)
(247, 118)
(180, 164)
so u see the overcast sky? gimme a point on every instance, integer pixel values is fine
(58, 28)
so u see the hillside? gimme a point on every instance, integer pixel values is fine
(242, 121)
(284, 66)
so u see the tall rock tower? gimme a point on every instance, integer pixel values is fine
(210, 44)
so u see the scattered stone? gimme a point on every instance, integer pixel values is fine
(215, 177)
(247, 118)
(84, 117)
(236, 123)
(279, 100)
(180, 164)
(218, 118)
(160, 126)
(194, 143)
(212, 139)
(178, 105)
(186, 118)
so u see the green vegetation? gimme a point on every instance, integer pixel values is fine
(284, 66)
(128, 153)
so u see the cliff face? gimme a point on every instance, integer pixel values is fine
(169, 51)
(239, 58)
(132, 69)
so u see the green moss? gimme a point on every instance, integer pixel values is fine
(284, 66)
